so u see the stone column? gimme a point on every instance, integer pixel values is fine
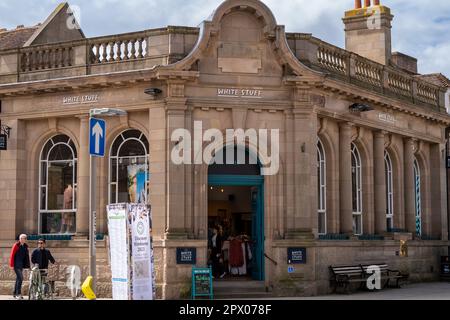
(438, 193)
(82, 220)
(12, 182)
(176, 174)
(410, 210)
(157, 169)
(289, 173)
(380, 182)
(345, 178)
(305, 169)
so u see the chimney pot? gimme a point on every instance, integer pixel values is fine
(367, 3)
(357, 4)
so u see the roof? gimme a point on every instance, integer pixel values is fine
(12, 39)
(437, 79)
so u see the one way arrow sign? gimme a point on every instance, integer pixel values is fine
(97, 134)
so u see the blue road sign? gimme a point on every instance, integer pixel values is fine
(97, 134)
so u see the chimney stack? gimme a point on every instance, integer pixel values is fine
(368, 31)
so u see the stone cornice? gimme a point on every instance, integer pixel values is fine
(374, 125)
(350, 92)
(118, 79)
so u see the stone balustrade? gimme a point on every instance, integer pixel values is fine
(123, 52)
(334, 60)
(120, 48)
(355, 69)
(367, 71)
(46, 57)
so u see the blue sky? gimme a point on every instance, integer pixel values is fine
(421, 28)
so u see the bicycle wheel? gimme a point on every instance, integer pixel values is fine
(33, 292)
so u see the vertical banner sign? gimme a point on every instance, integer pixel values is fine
(119, 253)
(141, 252)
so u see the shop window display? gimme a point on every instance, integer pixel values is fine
(58, 186)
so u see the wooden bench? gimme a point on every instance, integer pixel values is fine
(345, 276)
(387, 274)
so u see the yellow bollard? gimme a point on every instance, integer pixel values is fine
(87, 288)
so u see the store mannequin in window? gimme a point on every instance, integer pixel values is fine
(67, 217)
(132, 189)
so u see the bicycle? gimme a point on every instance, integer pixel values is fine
(40, 286)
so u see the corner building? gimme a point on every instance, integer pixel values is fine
(362, 144)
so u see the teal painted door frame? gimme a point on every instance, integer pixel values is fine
(258, 220)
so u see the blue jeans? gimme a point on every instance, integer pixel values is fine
(19, 280)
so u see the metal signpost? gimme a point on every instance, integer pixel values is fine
(97, 138)
(97, 133)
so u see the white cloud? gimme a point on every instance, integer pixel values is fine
(420, 28)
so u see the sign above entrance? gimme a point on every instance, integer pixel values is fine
(86, 99)
(239, 93)
(97, 134)
(296, 255)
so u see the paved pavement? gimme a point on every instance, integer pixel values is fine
(422, 291)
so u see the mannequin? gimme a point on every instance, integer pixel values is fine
(67, 217)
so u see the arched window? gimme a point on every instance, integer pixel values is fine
(389, 192)
(322, 188)
(418, 197)
(128, 168)
(357, 191)
(58, 186)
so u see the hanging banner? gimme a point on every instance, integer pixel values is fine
(137, 179)
(142, 257)
(119, 252)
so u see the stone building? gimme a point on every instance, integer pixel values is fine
(361, 143)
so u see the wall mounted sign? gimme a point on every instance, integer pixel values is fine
(3, 142)
(296, 255)
(385, 117)
(239, 93)
(86, 99)
(187, 256)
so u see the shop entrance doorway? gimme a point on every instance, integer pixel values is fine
(236, 212)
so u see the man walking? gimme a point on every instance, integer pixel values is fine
(19, 260)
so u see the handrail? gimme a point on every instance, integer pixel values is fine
(270, 259)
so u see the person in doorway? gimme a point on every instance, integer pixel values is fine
(216, 254)
(19, 260)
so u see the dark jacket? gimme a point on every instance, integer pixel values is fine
(42, 257)
(20, 256)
